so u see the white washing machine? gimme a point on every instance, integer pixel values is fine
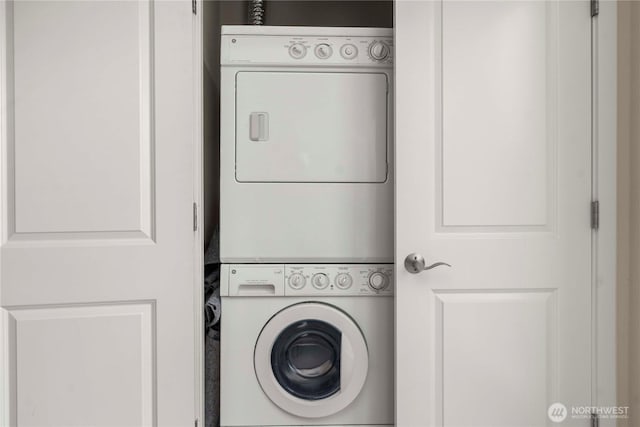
(306, 145)
(305, 345)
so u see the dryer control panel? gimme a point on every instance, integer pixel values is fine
(305, 46)
(307, 280)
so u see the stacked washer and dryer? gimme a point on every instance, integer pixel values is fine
(306, 226)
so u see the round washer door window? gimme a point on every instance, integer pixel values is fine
(311, 359)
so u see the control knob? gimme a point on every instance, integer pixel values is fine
(320, 281)
(323, 51)
(297, 51)
(344, 280)
(379, 51)
(378, 281)
(297, 281)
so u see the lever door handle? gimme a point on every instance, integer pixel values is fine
(415, 263)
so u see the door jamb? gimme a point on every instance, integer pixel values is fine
(198, 199)
(604, 87)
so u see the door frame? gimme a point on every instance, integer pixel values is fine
(604, 240)
(198, 208)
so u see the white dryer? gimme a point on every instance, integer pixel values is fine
(306, 145)
(306, 345)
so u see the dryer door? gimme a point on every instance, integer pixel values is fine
(311, 360)
(311, 127)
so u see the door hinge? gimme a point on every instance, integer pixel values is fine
(595, 214)
(595, 8)
(194, 7)
(195, 218)
(595, 420)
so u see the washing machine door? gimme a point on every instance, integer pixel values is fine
(311, 359)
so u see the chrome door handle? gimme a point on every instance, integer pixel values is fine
(415, 263)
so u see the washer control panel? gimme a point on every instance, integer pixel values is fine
(264, 280)
(338, 279)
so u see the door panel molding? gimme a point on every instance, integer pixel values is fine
(102, 152)
(529, 354)
(482, 117)
(110, 343)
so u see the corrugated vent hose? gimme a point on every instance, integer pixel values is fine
(256, 12)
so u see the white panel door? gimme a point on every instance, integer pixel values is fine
(97, 243)
(494, 177)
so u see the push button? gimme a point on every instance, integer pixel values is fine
(349, 51)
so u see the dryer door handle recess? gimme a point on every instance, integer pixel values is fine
(259, 126)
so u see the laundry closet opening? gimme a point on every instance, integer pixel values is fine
(256, 165)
